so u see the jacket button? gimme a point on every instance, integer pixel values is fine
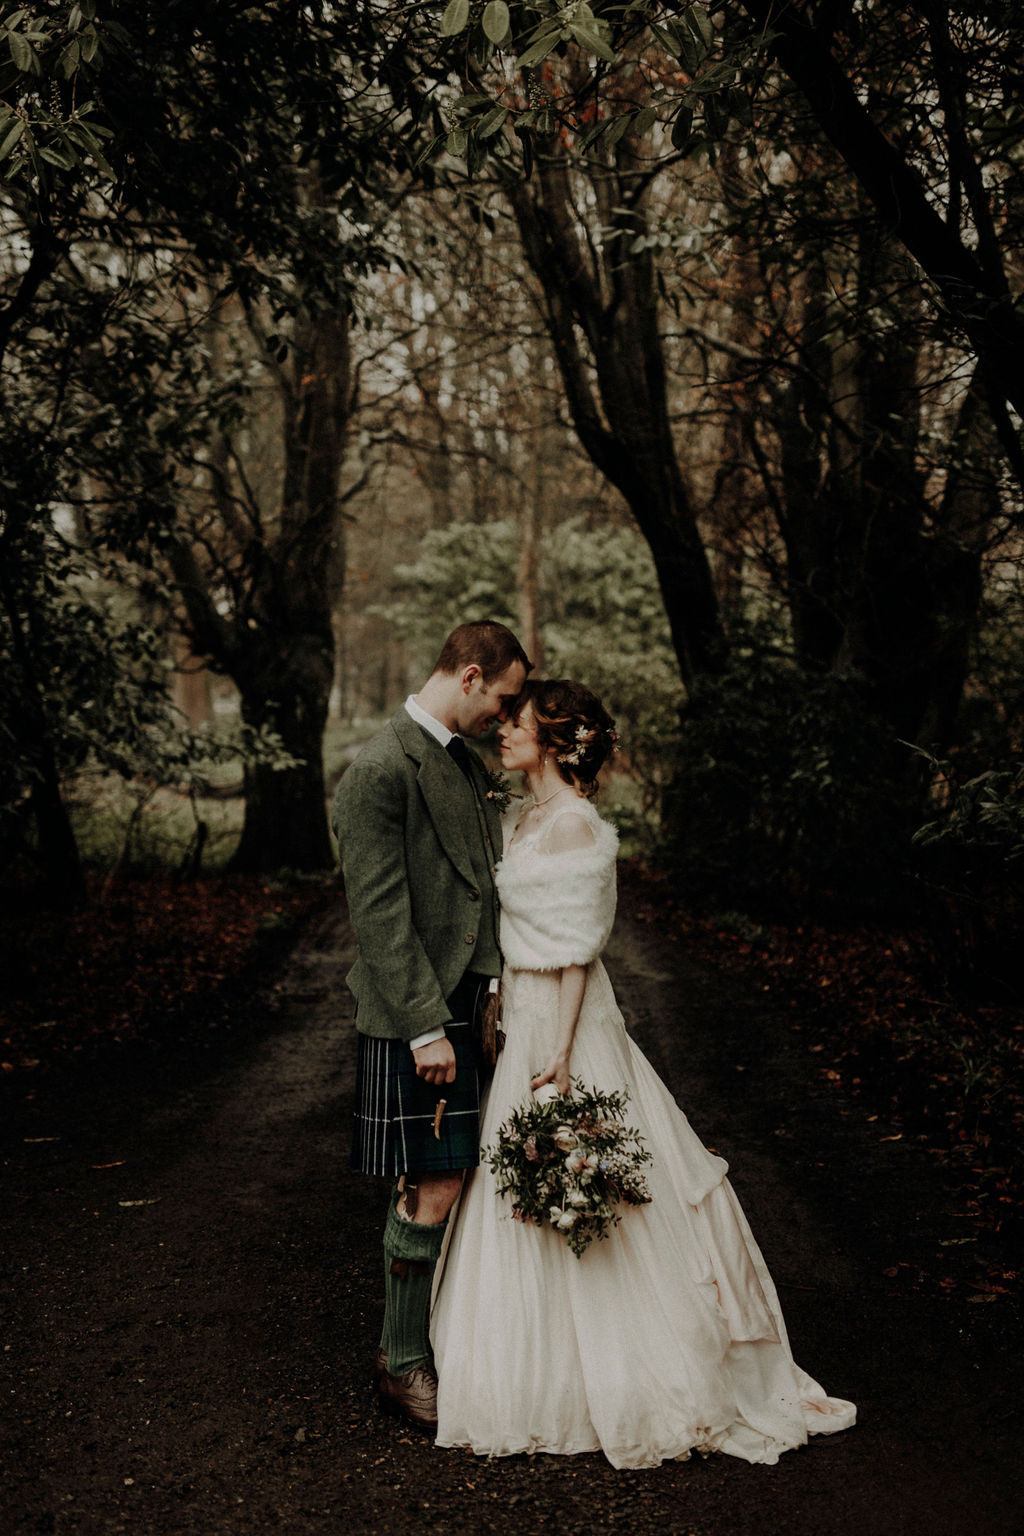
(470, 938)
(474, 895)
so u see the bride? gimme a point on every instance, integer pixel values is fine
(667, 1336)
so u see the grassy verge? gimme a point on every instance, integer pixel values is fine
(145, 828)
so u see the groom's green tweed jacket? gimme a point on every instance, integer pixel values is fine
(418, 849)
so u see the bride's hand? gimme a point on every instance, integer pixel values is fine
(557, 1073)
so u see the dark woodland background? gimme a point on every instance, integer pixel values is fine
(685, 339)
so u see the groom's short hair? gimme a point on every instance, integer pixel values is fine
(490, 645)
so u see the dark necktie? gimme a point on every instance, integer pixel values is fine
(457, 749)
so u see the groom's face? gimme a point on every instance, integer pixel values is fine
(486, 704)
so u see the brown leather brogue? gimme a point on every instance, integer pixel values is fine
(412, 1396)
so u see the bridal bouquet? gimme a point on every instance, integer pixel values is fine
(570, 1162)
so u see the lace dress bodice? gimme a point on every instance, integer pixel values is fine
(520, 836)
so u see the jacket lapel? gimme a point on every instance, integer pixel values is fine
(491, 817)
(439, 779)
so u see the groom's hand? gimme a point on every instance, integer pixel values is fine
(435, 1062)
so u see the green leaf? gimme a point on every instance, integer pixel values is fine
(476, 155)
(666, 39)
(701, 24)
(492, 122)
(542, 40)
(455, 18)
(740, 107)
(524, 137)
(593, 134)
(681, 127)
(12, 138)
(427, 150)
(456, 142)
(716, 116)
(538, 50)
(713, 80)
(22, 52)
(592, 40)
(69, 59)
(90, 43)
(617, 129)
(84, 136)
(56, 157)
(496, 21)
(644, 120)
(691, 54)
(68, 139)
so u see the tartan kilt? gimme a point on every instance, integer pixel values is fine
(393, 1121)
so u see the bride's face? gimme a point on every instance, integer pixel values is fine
(517, 742)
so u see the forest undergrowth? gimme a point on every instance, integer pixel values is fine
(926, 1056)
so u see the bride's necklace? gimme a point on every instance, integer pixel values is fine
(526, 815)
(538, 803)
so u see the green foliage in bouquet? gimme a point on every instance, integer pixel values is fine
(569, 1162)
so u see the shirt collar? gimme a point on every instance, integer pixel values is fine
(439, 732)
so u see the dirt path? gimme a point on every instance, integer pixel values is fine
(192, 1282)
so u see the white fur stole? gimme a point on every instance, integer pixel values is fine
(557, 908)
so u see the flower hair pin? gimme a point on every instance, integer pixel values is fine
(575, 757)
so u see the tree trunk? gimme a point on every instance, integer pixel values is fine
(47, 252)
(527, 569)
(880, 582)
(602, 311)
(57, 849)
(285, 824)
(811, 525)
(277, 643)
(969, 510)
(288, 690)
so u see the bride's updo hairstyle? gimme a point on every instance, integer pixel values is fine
(573, 727)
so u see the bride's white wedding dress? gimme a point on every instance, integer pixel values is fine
(663, 1338)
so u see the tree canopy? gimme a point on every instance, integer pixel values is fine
(292, 294)
(935, 146)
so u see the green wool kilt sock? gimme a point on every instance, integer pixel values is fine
(411, 1250)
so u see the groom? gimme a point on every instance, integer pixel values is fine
(419, 839)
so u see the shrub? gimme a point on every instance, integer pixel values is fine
(787, 787)
(970, 857)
